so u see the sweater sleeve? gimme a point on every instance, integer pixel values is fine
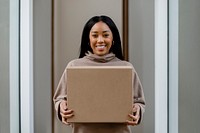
(138, 97)
(60, 93)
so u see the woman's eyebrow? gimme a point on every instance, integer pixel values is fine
(103, 31)
(106, 31)
(94, 31)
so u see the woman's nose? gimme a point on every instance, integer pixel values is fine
(100, 39)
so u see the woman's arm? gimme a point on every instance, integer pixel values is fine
(139, 101)
(60, 100)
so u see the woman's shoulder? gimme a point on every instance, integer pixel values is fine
(123, 62)
(126, 63)
(76, 62)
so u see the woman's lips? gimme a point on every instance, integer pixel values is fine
(100, 47)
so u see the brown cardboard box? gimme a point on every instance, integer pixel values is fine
(100, 94)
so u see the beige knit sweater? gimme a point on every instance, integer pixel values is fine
(94, 60)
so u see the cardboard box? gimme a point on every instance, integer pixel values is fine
(100, 94)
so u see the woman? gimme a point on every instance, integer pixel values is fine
(100, 46)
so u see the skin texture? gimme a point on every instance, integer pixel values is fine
(101, 40)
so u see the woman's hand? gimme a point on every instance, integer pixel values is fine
(135, 116)
(65, 112)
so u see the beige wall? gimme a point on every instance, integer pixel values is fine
(141, 55)
(42, 66)
(189, 66)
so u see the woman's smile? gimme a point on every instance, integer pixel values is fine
(101, 47)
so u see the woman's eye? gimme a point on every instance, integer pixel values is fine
(106, 35)
(94, 35)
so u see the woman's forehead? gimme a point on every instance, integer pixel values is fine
(100, 26)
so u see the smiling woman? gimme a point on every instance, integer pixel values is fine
(100, 32)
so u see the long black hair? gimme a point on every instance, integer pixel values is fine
(115, 48)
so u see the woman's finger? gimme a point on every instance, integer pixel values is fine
(135, 116)
(132, 123)
(136, 108)
(63, 106)
(65, 121)
(67, 112)
(67, 116)
(134, 120)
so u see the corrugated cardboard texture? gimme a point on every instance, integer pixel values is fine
(100, 94)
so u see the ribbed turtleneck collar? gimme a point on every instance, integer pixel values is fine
(104, 58)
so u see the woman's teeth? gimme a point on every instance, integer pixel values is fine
(100, 46)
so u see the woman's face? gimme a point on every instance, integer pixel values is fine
(101, 38)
